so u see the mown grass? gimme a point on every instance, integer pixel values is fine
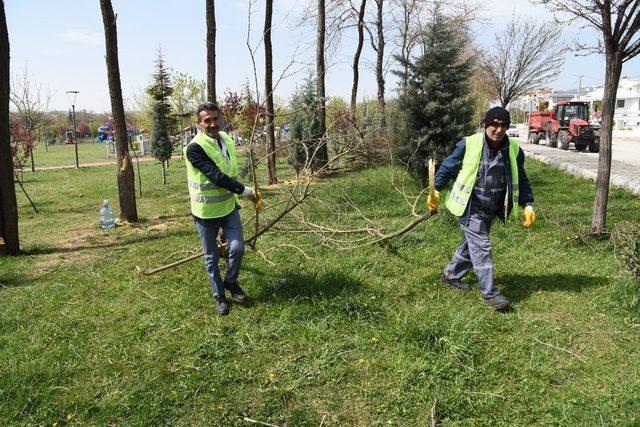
(64, 154)
(361, 337)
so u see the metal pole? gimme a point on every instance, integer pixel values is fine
(72, 94)
(75, 139)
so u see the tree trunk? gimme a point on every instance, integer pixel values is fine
(164, 174)
(211, 51)
(380, 64)
(268, 91)
(8, 204)
(611, 80)
(125, 173)
(356, 58)
(321, 153)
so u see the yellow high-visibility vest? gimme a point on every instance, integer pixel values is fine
(463, 186)
(207, 199)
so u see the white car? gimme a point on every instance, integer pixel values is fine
(513, 131)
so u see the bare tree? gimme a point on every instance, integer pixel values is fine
(125, 173)
(211, 50)
(322, 154)
(8, 204)
(379, 48)
(356, 57)
(525, 56)
(618, 21)
(31, 103)
(407, 21)
(268, 92)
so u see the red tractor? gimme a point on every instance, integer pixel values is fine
(569, 122)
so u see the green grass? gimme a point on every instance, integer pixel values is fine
(361, 337)
(63, 154)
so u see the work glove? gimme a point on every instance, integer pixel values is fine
(433, 200)
(529, 216)
(248, 191)
(256, 198)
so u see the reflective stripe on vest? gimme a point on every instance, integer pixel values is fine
(209, 200)
(460, 194)
(213, 199)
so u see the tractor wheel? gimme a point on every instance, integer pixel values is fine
(581, 147)
(563, 140)
(534, 138)
(594, 147)
(552, 140)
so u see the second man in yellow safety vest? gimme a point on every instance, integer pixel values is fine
(489, 182)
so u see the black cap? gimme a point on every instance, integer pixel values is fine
(497, 115)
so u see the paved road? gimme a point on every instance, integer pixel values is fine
(625, 164)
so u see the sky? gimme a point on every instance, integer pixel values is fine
(61, 44)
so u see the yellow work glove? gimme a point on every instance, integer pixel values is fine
(433, 200)
(529, 216)
(256, 198)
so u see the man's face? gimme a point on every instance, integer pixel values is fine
(208, 123)
(496, 131)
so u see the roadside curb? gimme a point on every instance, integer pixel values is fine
(617, 181)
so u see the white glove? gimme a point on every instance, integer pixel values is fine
(248, 191)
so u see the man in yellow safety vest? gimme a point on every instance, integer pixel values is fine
(212, 171)
(489, 182)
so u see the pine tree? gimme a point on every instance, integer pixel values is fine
(434, 109)
(305, 126)
(160, 90)
(161, 147)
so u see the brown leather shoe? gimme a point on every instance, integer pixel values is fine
(499, 302)
(237, 294)
(457, 284)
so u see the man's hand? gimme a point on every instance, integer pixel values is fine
(529, 216)
(433, 200)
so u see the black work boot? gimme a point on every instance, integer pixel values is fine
(499, 302)
(222, 306)
(237, 294)
(454, 283)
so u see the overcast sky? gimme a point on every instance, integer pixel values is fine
(62, 44)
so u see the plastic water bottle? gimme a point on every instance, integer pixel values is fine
(107, 218)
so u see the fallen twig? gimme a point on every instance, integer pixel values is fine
(165, 267)
(577, 356)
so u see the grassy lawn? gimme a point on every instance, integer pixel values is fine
(63, 154)
(360, 337)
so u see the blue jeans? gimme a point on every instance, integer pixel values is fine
(475, 252)
(208, 231)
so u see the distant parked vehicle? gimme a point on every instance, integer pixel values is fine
(568, 122)
(513, 131)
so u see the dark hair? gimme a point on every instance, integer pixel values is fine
(206, 106)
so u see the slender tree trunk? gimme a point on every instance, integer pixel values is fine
(125, 173)
(8, 204)
(211, 51)
(321, 156)
(380, 64)
(268, 91)
(356, 58)
(611, 80)
(164, 174)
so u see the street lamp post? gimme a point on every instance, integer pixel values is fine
(73, 94)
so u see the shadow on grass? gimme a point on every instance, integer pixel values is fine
(309, 286)
(9, 280)
(519, 287)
